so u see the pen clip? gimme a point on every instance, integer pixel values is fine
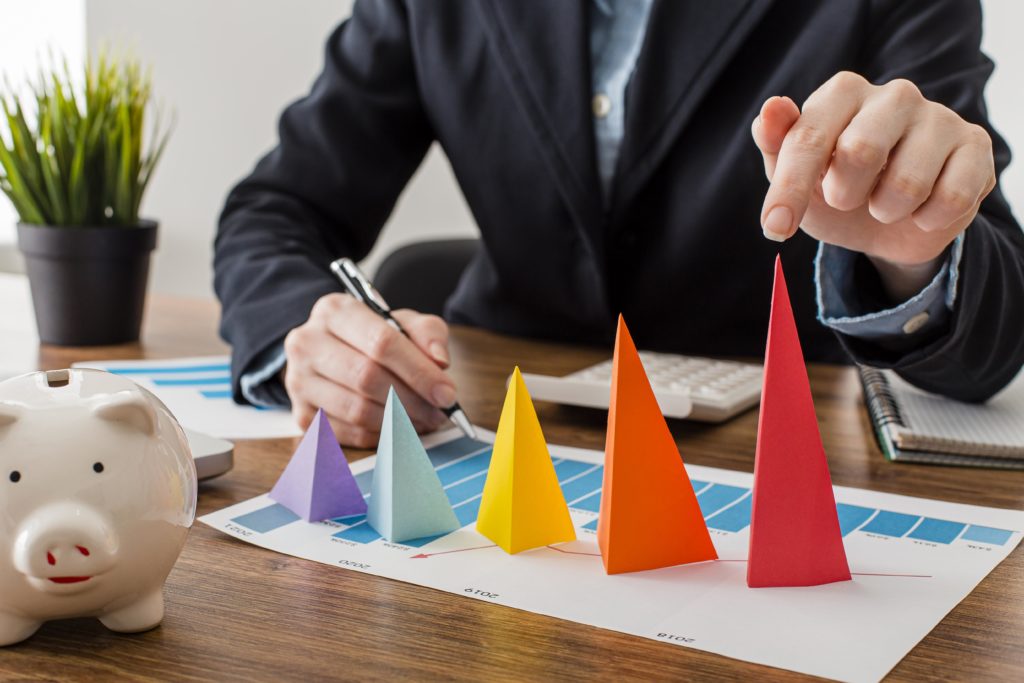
(359, 286)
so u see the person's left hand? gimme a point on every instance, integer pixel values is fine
(875, 169)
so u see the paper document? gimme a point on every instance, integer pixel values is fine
(198, 393)
(912, 561)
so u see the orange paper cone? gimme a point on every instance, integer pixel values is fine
(649, 514)
(795, 538)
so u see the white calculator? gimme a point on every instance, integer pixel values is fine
(685, 386)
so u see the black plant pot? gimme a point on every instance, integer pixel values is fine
(88, 283)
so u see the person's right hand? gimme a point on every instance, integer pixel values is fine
(345, 357)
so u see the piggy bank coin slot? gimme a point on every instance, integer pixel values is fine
(58, 378)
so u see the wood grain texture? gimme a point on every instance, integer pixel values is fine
(236, 612)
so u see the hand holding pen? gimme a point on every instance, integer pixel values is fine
(346, 355)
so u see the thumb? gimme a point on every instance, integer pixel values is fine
(777, 116)
(428, 332)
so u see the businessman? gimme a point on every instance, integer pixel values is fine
(632, 156)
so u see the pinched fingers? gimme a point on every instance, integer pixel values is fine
(777, 116)
(359, 327)
(864, 147)
(428, 332)
(806, 152)
(315, 356)
(967, 178)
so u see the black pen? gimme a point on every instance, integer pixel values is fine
(359, 286)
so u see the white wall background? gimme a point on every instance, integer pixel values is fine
(227, 68)
(1002, 41)
(28, 31)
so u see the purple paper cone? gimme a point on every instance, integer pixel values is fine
(317, 484)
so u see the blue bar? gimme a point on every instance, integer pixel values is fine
(466, 512)
(987, 534)
(451, 450)
(360, 533)
(267, 519)
(891, 523)
(937, 530)
(717, 497)
(216, 393)
(735, 518)
(592, 524)
(697, 484)
(460, 493)
(351, 520)
(449, 474)
(852, 516)
(193, 381)
(591, 502)
(183, 369)
(570, 468)
(588, 483)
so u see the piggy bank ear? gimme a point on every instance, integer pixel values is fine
(9, 414)
(128, 408)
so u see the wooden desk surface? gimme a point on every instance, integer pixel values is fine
(238, 612)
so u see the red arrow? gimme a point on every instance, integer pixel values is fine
(446, 552)
(904, 576)
(573, 552)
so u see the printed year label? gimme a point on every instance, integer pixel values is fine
(354, 565)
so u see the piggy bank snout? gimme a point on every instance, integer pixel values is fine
(63, 542)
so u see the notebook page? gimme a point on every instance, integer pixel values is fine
(995, 427)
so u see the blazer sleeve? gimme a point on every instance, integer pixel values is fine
(345, 153)
(936, 45)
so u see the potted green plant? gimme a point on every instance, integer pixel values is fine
(72, 163)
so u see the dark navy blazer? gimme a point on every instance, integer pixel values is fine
(503, 85)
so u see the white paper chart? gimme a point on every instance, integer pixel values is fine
(197, 391)
(913, 560)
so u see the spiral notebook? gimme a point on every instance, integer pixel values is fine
(916, 426)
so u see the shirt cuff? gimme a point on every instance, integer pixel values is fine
(846, 308)
(261, 386)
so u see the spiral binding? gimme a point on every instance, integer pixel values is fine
(879, 397)
(888, 421)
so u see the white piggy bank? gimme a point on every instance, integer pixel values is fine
(97, 494)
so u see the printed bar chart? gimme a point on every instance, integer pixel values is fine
(193, 381)
(462, 468)
(149, 370)
(912, 561)
(198, 392)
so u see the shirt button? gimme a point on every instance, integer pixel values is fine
(601, 104)
(915, 323)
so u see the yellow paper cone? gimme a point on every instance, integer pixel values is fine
(522, 505)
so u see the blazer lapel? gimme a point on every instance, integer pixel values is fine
(544, 51)
(688, 43)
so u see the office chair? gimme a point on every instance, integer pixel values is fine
(422, 275)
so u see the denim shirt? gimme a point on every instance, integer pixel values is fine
(617, 29)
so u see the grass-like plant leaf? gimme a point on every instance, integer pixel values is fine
(82, 160)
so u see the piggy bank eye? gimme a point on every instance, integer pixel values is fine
(15, 476)
(97, 467)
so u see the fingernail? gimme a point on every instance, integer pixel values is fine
(778, 223)
(439, 353)
(444, 395)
